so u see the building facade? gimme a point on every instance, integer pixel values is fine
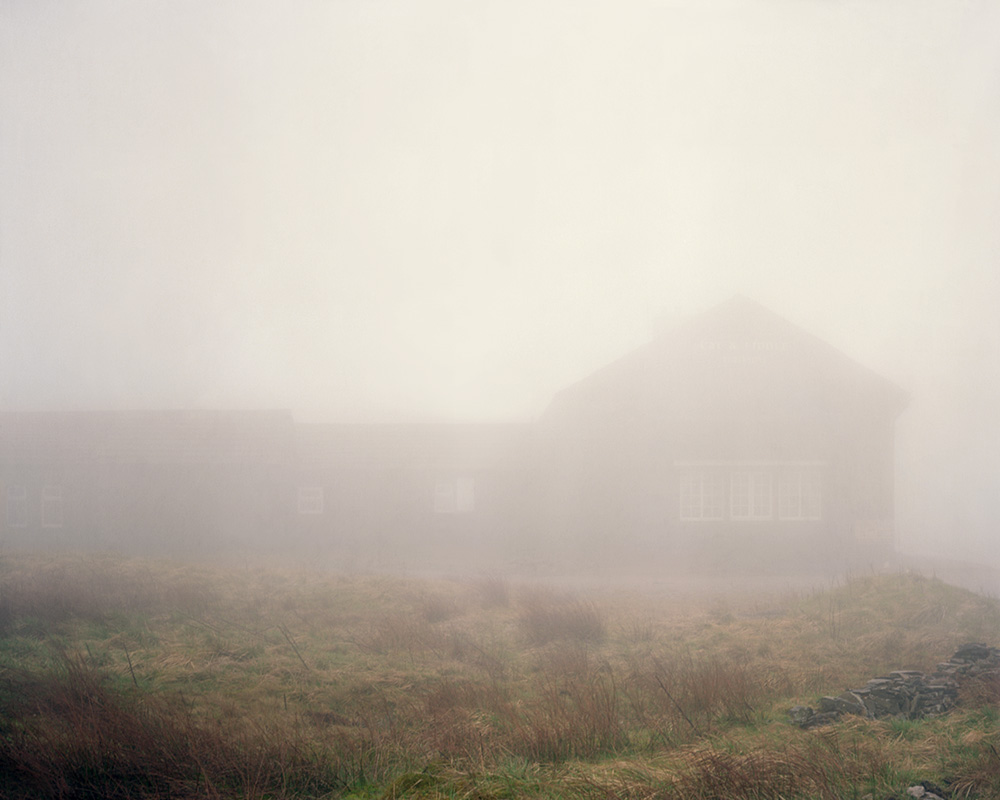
(736, 440)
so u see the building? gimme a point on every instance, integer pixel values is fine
(734, 440)
(146, 481)
(391, 494)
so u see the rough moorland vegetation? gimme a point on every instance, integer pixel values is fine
(130, 678)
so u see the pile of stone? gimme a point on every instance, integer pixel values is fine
(927, 791)
(907, 693)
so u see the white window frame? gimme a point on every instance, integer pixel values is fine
(455, 495)
(310, 500)
(800, 493)
(17, 506)
(752, 490)
(52, 506)
(751, 494)
(702, 494)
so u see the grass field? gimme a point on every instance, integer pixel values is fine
(129, 678)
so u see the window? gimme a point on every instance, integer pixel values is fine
(750, 494)
(454, 495)
(52, 507)
(702, 494)
(310, 500)
(17, 507)
(750, 490)
(800, 493)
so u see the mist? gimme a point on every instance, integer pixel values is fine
(390, 212)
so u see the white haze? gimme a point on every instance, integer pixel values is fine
(449, 210)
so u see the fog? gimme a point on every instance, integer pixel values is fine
(440, 211)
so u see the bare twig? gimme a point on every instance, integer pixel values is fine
(127, 656)
(677, 706)
(288, 638)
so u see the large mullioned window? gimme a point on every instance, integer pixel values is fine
(800, 494)
(703, 494)
(750, 494)
(746, 492)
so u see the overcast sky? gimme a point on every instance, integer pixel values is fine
(448, 210)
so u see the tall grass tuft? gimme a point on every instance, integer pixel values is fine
(494, 591)
(545, 618)
(682, 697)
(718, 775)
(72, 733)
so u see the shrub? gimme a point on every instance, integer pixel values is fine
(71, 733)
(545, 618)
(494, 591)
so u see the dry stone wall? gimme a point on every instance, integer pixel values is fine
(907, 693)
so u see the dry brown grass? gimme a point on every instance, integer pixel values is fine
(494, 591)
(546, 617)
(54, 591)
(77, 736)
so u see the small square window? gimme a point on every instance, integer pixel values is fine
(310, 500)
(454, 495)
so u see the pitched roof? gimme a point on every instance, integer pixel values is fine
(146, 437)
(738, 352)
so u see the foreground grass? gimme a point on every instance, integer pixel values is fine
(140, 679)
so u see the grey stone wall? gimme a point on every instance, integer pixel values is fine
(907, 693)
